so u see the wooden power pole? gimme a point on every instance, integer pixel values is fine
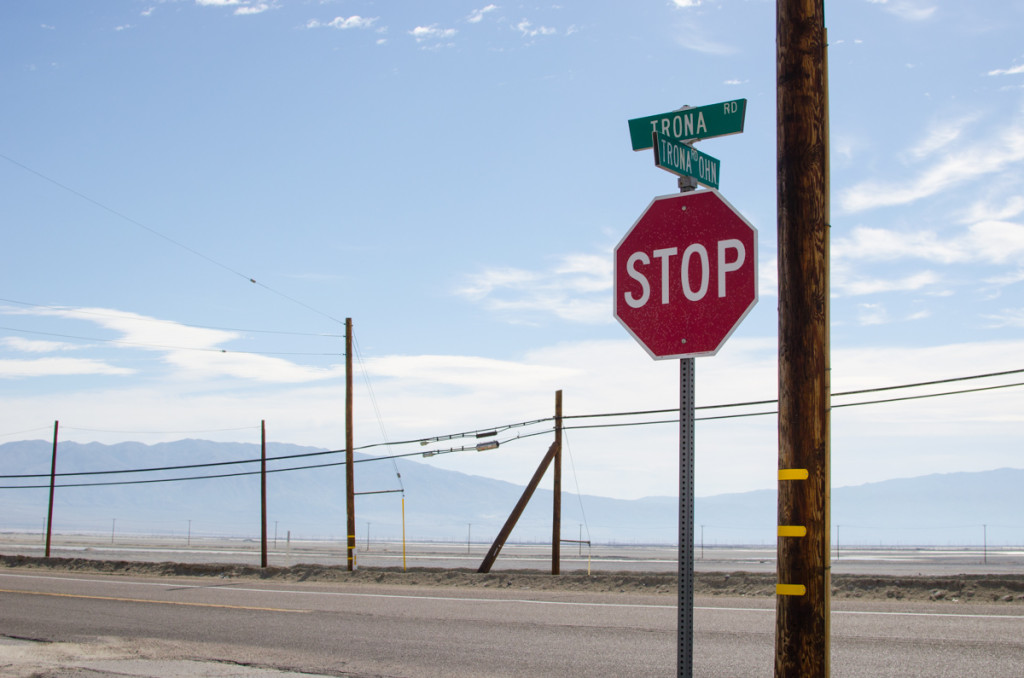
(803, 590)
(556, 513)
(350, 495)
(263, 493)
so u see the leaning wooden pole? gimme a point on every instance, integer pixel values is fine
(556, 514)
(513, 518)
(53, 487)
(803, 605)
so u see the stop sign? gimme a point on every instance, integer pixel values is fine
(686, 274)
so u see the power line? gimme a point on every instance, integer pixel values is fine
(376, 409)
(215, 464)
(172, 241)
(841, 394)
(506, 427)
(771, 412)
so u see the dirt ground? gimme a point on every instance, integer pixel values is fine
(1007, 589)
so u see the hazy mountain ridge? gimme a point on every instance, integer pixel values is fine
(439, 504)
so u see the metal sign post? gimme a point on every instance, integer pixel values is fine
(686, 454)
(665, 268)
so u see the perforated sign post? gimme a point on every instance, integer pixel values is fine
(685, 277)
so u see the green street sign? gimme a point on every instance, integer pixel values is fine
(703, 122)
(684, 160)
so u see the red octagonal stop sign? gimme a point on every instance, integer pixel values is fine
(686, 274)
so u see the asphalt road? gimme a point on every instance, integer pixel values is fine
(365, 630)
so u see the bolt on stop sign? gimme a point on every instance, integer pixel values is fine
(686, 274)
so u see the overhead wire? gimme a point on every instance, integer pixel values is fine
(211, 465)
(518, 436)
(579, 494)
(376, 408)
(167, 238)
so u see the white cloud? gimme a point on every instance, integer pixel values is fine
(1013, 70)
(911, 10)
(50, 367)
(871, 314)
(993, 242)
(194, 352)
(862, 285)
(691, 38)
(983, 210)
(477, 15)
(528, 31)
(686, 3)
(218, 3)
(432, 32)
(343, 23)
(248, 10)
(966, 162)
(35, 345)
(1011, 317)
(940, 136)
(575, 288)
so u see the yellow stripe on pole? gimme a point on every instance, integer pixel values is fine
(792, 531)
(793, 474)
(790, 589)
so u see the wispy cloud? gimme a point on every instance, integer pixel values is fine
(863, 285)
(574, 289)
(248, 10)
(686, 3)
(1013, 70)
(477, 15)
(432, 33)
(35, 345)
(690, 35)
(1012, 317)
(911, 10)
(343, 23)
(528, 30)
(955, 167)
(193, 352)
(940, 136)
(242, 7)
(53, 367)
(992, 242)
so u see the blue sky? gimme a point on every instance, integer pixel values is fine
(454, 177)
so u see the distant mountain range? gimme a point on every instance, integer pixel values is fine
(940, 509)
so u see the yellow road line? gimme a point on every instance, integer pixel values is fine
(156, 602)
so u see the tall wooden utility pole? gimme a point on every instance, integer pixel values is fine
(350, 495)
(263, 493)
(556, 518)
(802, 603)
